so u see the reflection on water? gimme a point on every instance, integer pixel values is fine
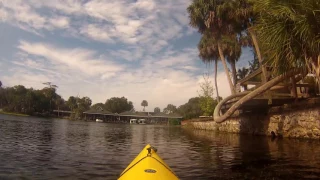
(35, 148)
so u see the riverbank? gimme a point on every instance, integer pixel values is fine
(299, 120)
(13, 114)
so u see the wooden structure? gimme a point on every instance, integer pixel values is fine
(284, 93)
(150, 117)
(105, 116)
(124, 117)
(61, 113)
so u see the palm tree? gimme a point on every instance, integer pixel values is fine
(289, 35)
(144, 103)
(242, 73)
(290, 32)
(233, 53)
(208, 52)
(205, 17)
(244, 16)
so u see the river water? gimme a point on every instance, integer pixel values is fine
(35, 148)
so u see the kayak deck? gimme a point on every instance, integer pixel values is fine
(148, 165)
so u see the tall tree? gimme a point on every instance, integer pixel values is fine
(118, 105)
(157, 110)
(289, 34)
(205, 16)
(208, 52)
(191, 109)
(0, 84)
(144, 103)
(242, 73)
(170, 109)
(233, 53)
(50, 92)
(72, 103)
(244, 16)
(59, 102)
(207, 102)
(98, 106)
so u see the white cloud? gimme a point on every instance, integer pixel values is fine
(133, 54)
(147, 5)
(79, 70)
(147, 23)
(23, 15)
(140, 32)
(60, 22)
(96, 32)
(25, 77)
(192, 68)
(76, 59)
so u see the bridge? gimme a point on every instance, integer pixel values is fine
(252, 96)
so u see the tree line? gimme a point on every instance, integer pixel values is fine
(42, 102)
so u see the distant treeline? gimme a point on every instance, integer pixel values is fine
(19, 99)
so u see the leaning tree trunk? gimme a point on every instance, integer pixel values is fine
(215, 79)
(257, 48)
(253, 94)
(234, 72)
(225, 68)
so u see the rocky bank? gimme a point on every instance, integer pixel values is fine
(299, 120)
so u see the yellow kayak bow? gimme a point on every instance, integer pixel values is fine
(148, 165)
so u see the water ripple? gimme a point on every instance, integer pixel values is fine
(35, 148)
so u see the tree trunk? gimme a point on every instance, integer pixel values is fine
(263, 67)
(234, 72)
(215, 79)
(221, 103)
(251, 95)
(226, 68)
(256, 45)
(293, 89)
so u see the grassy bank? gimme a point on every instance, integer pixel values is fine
(14, 114)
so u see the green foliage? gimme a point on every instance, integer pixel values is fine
(207, 103)
(289, 33)
(157, 110)
(144, 103)
(220, 34)
(82, 104)
(191, 109)
(245, 71)
(72, 103)
(254, 64)
(170, 109)
(174, 122)
(19, 99)
(98, 106)
(118, 105)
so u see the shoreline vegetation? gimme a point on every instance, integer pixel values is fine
(22, 101)
(13, 114)
(282, 35)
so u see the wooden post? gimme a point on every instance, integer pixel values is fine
(293, 89)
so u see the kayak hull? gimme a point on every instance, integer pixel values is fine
(148, 165)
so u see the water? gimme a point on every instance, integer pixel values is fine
(35, 148)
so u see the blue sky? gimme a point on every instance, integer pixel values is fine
(140, 49)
